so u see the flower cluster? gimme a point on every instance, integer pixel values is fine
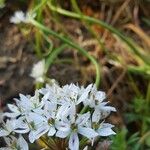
(38, 71)
(21, 17)
(62, 112)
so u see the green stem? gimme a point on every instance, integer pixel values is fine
(73, 45)
(50, 44)
(53, 56)
(84, 109)
(83, 142)
(127, 40)
(50, 146)
(38, 44)
(38, 39)
(77, 9)
(64, 61)
(43, 2)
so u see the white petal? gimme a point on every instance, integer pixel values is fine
(36, 118)
(87, 132)
(40, 131)
(22, 144)
(22, 131)
(10, 125)
(100, 96)
(74, 141)
(108, 108)
(52, 131)
(31, 137)
(105, 111)
(105, 130)
(85, 148)
(84, 95)
(11, 115)
(46, 96)
(13, 108)
(82, 119)
(62, 134)
(96, 116)
(4, 132)
(38, 71)
(63, 111)
(20, 127)
(24, 102)
(62, 126)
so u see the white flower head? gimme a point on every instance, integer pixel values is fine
(70, 112)
(38, 71)
(21, 17)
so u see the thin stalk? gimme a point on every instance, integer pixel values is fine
(65, 60)
(73, 45)
(43, 2)
(77, 9)
(143, 70)
(38, 38)
(84, 109)
(51, 146)
(83, 142)
(135, 88)
(38, 44)
(53, 56)
(50, 48)
(127, 40)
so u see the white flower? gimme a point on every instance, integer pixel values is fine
(25, 105)
(15, 144)
(51, 93)
(7, 128)
(105, 129)
(38, 71)
(94, 97)
(80, 126)
(42, 123)
(14, 125)
(36, 122)
(20, 16)
(101, 111)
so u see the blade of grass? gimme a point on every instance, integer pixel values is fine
(73, 45)
(38, 39)
(50, 59)
(139, 32)
(77, 9)
(127, 40)
(43, 2)
(143, 70)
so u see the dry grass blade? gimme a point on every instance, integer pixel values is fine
(118, 13)
(139, 32)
